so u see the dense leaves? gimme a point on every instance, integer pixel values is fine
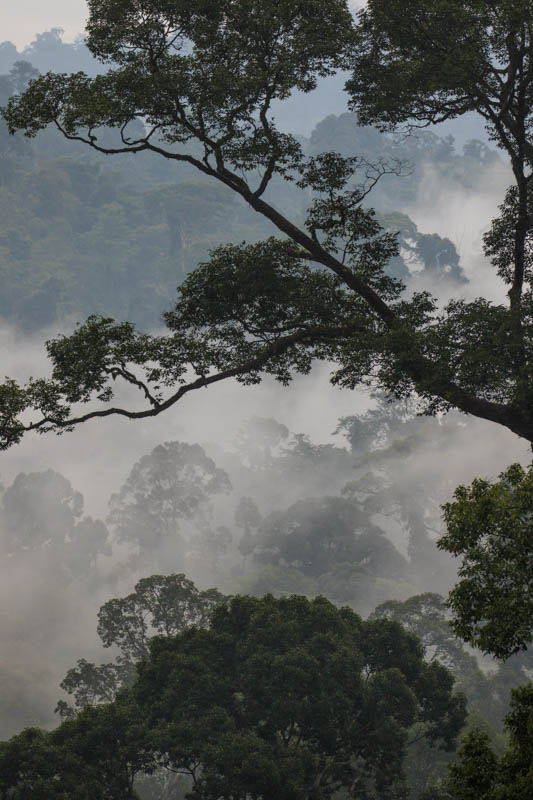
(94, 757)
(288, 698)
(489, 527)
(202, 78)
(480, 775)
(294, 699)
(160, 604)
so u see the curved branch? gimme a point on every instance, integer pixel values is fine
(277, 348)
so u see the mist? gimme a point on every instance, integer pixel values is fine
(312, 465)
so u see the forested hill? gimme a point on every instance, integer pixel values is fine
(84, 234)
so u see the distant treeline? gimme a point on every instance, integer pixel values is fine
(83, 234)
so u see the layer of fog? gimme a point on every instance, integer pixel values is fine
(463, 215)
(45, 627)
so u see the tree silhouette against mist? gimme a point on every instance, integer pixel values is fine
(202, 77)
(167, 487)
(163, 605)
(285, 698)
(41, 514)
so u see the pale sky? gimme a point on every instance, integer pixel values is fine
(22, 19)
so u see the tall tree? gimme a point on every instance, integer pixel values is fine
(96, 756)
(421, 62)
(202, 76)
(489, 524)
(42, 513)
(292, 698)
(480, 775)
(172, 484)
(159, 605)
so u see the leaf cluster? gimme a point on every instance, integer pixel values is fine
(489, 527)
(311, 697)
(480, 775)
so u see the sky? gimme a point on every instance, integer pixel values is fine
(27, 17)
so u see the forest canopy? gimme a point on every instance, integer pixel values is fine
(247, 696)
(287, 698)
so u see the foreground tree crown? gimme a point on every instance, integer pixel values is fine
(286, 698)
(202, 77)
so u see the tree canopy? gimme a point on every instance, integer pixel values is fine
(172, 484)
(161, 604)
(480, 775)
(288, 698)
(489, 525)
(202, 77)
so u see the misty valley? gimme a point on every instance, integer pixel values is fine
(312, 578)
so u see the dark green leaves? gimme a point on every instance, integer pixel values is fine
(310, 696)
(160, 604)
(197, 69)
(422, 60)
(479, 775)
(489, 525)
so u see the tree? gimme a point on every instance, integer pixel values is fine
(425, 616)
(428, 618)
(419, 63)
(437, 257)
(161, 604)
(172, 484)
(42, 513)
(202, 76)
(286, 698)
(292, 698)
(489, 524)
(96, 756)
(316, 534)
(480, 775)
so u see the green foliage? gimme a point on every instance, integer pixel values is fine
(94, 757)
(282, 698)
(236, 57)
(499, 241)
(202, 78)
(77, 237)
(275, 697)
(432, 60)
(480, 775)
(489, 527)
(427, 617)
(296, 314)
(159, 605)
